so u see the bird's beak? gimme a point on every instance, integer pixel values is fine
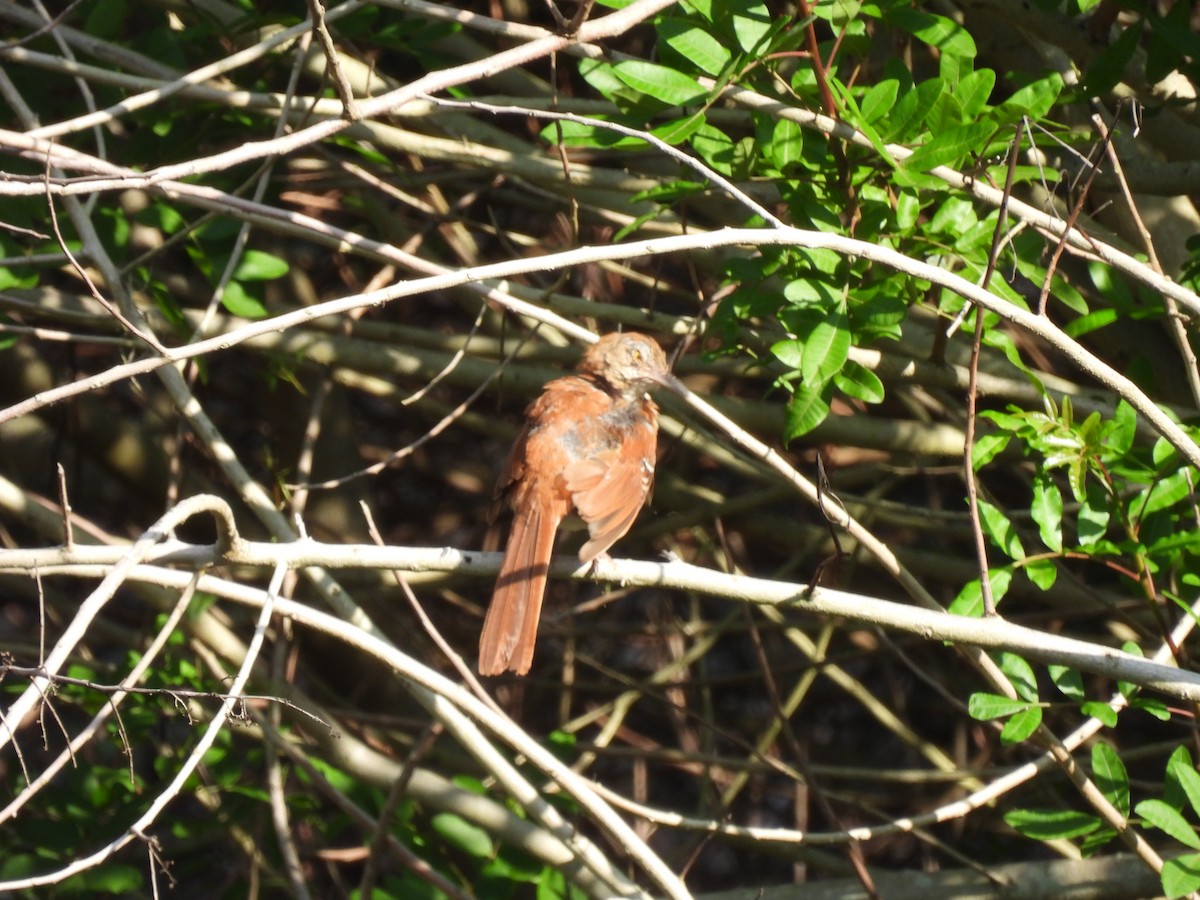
(670, 382)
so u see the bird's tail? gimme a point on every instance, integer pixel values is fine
(510, 628)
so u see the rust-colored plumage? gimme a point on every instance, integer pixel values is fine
(588, 446)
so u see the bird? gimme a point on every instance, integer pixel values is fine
(588, 446)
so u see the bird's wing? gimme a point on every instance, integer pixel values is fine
(609, 488)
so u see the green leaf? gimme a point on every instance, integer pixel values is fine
(1093, 321)
(162, 216)
(877, 312)
(985, 707)
(826, 348)
(10, 279)
(1089, 429)
(258, 266)
(997, 526)
(1168, 491)
(908, 209)
(789, 352)
(969, 601)
(1164, 455)
(1109, 67)
(1167, 818)
(879, 100)
(1033, 100)
(112, 225)
(973, 91)
(695, 44)
(806, 411)
(1181, 875)
(107, 19)
(660, 82)
(1076, 471)
(577, 134)
(952, 147)
(977, 239)
(786, 146)
(714, 147)
(804, 292)
(603, 78)
(1152, 707)
(1021, 674)
(1092, 843)
(1094, 515)
(859, 382)
(110, 878)
(1047, 510)
(744, 156)
(1119, 432)
(1169, 43)
(947, 112)
(464, 835)
(1067, 680)
(1042, 572)
(994, 337)
(751, 24)
(239, 303)
(1051, 824)
(953, 215)
(1182, 774)
(1176, 33)
(820, 260)
(1101, 711)
(669, 192)
(937, 31)
(1021, 726)
(853, 114)
(1110, 776)
(1063, 292)
(15, 865)
(553, 885)
(987, 447)
(845, 14)
(911, 109)
(678, 130)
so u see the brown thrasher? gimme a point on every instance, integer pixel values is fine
(588, 444)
